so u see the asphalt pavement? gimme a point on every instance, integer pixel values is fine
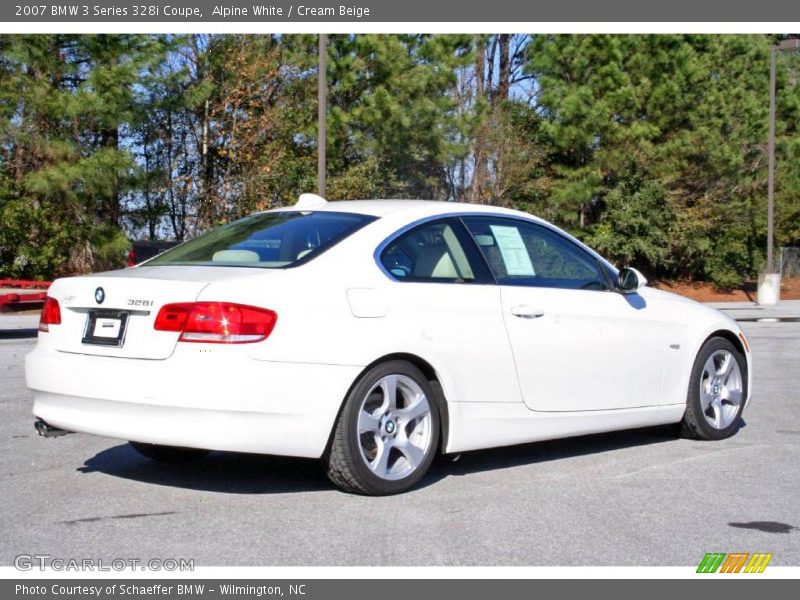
(639, 497)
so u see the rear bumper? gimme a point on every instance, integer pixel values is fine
(218, 400)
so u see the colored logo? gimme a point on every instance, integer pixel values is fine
(735, 562)
(99, 295)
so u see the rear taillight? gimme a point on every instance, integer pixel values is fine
(173, 317)
(51, 314)
(131, 258)
(216, 322)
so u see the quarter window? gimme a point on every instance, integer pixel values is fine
(522, 253)
(433, 252)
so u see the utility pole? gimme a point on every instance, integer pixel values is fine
(771, 149)
(322, 99)
(769, 282)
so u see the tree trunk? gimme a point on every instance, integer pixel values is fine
(480, 170)
(110, 210)
(205, 178)
(504, 84)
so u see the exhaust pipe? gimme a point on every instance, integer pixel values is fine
(45, 430)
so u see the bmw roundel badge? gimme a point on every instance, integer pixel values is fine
(99, 295)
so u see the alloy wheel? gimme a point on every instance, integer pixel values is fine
(395, 427)
(721, 389)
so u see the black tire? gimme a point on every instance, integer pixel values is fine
(168, 454)
(694, 424)
(345, 465)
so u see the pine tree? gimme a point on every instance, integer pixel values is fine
(392, 114)
(66, 99)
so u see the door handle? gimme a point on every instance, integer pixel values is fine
(527, 312)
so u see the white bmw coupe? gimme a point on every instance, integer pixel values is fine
(374, 335)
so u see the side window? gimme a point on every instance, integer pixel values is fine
(431, 252)
(522, 253)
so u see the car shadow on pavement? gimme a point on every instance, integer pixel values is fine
(226, 472)
(551, 451)
(233, 473)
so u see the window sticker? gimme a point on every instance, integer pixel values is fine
(512, 248)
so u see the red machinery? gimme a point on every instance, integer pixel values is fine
(16, 296)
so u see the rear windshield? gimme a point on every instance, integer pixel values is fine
(267, 240)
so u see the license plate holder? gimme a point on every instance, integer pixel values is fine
(105, 328)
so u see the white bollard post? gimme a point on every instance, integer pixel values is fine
(769, 289)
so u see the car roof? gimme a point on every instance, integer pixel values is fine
(416, 210)
(420, 208)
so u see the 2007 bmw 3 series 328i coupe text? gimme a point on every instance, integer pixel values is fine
(374, 334)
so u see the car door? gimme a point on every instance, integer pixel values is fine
(577, 345)
(444, 300)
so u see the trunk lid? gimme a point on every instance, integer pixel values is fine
(112, 314)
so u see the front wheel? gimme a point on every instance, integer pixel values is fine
(387, 434)
(168, 454)
(717, 392)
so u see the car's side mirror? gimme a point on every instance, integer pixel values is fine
(630, 281)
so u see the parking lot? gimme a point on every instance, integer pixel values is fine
(641, 497)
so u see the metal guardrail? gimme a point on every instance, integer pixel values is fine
(790, 262)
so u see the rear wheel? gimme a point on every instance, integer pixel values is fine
(168, 454)
(387, 434)
(717, 392)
